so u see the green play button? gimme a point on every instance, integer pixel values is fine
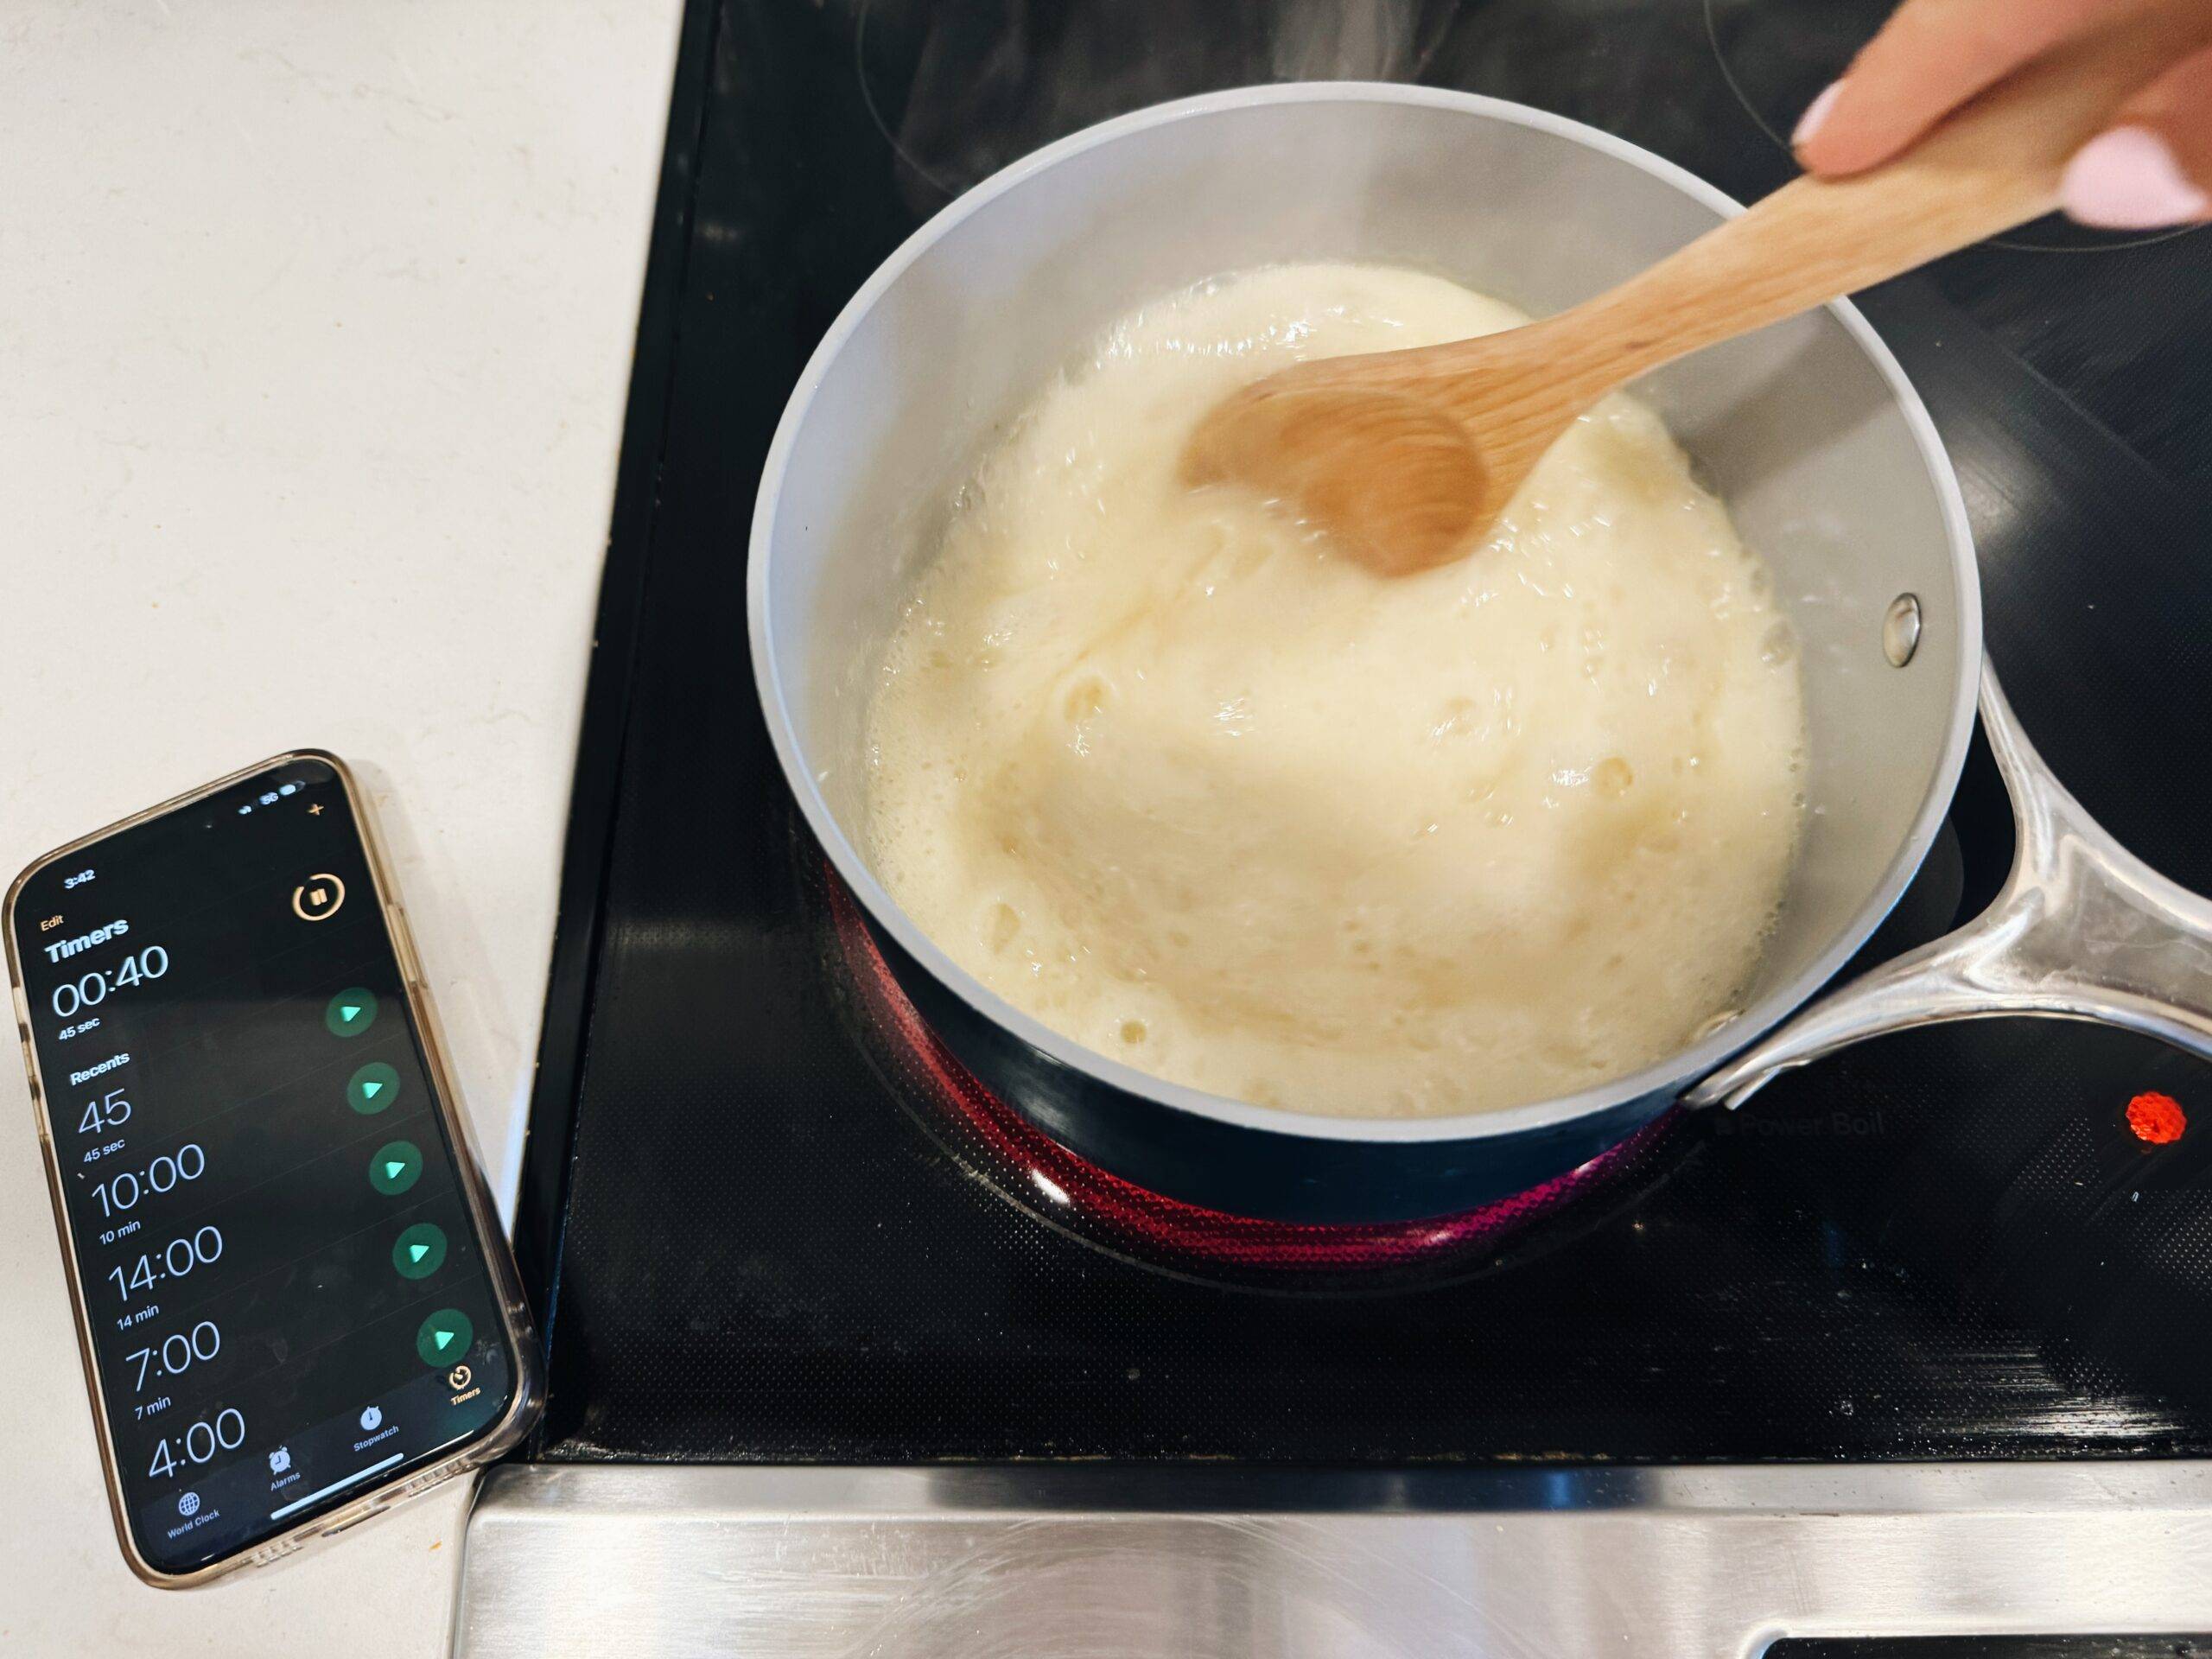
(372, 1087)
(350, 1013)
(397, 1165)
(420, 1252)
(444, 1338)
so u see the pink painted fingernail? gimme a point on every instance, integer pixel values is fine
(2128, 180)
(1815, 113)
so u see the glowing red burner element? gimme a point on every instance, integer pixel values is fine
(2157, 1118)
(1055, 1182)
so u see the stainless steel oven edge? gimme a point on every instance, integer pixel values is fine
(1081, 1561)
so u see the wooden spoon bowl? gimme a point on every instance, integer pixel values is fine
(1290, 439)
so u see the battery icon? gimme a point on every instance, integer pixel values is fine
(288, 789)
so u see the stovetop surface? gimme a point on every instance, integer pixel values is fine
(761, 1226)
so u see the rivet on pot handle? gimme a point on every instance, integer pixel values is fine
(2083, 929)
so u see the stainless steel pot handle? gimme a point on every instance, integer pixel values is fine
(2084, 929)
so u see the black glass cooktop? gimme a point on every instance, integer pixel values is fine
(766, 1220)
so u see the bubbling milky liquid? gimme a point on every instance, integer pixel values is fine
(1164, 772)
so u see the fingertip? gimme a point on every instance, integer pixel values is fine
(2129, 179)
(1831, 145)
(1816, 115)
(1828, 159)
(1838, 154)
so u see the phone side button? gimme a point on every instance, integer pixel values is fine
(403, 945)
(37, 1094)
(369, 1514)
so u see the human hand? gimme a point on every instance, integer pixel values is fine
(2150, 167)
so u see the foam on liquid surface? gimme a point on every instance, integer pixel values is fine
(1165, 773)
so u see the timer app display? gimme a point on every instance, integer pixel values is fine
(286, 1297)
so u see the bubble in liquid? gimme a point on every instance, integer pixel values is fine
(1134, 1032)
(1454, 719)
(1006, 922)
(1779, 645)
(1612, 776)
(1085, 698)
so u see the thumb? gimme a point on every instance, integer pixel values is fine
(2153, 167)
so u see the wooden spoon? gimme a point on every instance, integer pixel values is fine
(1407, 457)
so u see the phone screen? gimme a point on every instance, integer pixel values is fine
(286, 1293)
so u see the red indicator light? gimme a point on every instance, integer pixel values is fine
(2157, 1118)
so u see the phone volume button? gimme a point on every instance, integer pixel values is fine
(30, 1077)
(403, 945)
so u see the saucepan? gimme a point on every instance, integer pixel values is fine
(1809, 431)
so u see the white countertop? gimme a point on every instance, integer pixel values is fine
(315, 325)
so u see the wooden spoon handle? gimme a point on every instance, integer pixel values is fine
(1995, 164)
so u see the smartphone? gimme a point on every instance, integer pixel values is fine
(294, 1299)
